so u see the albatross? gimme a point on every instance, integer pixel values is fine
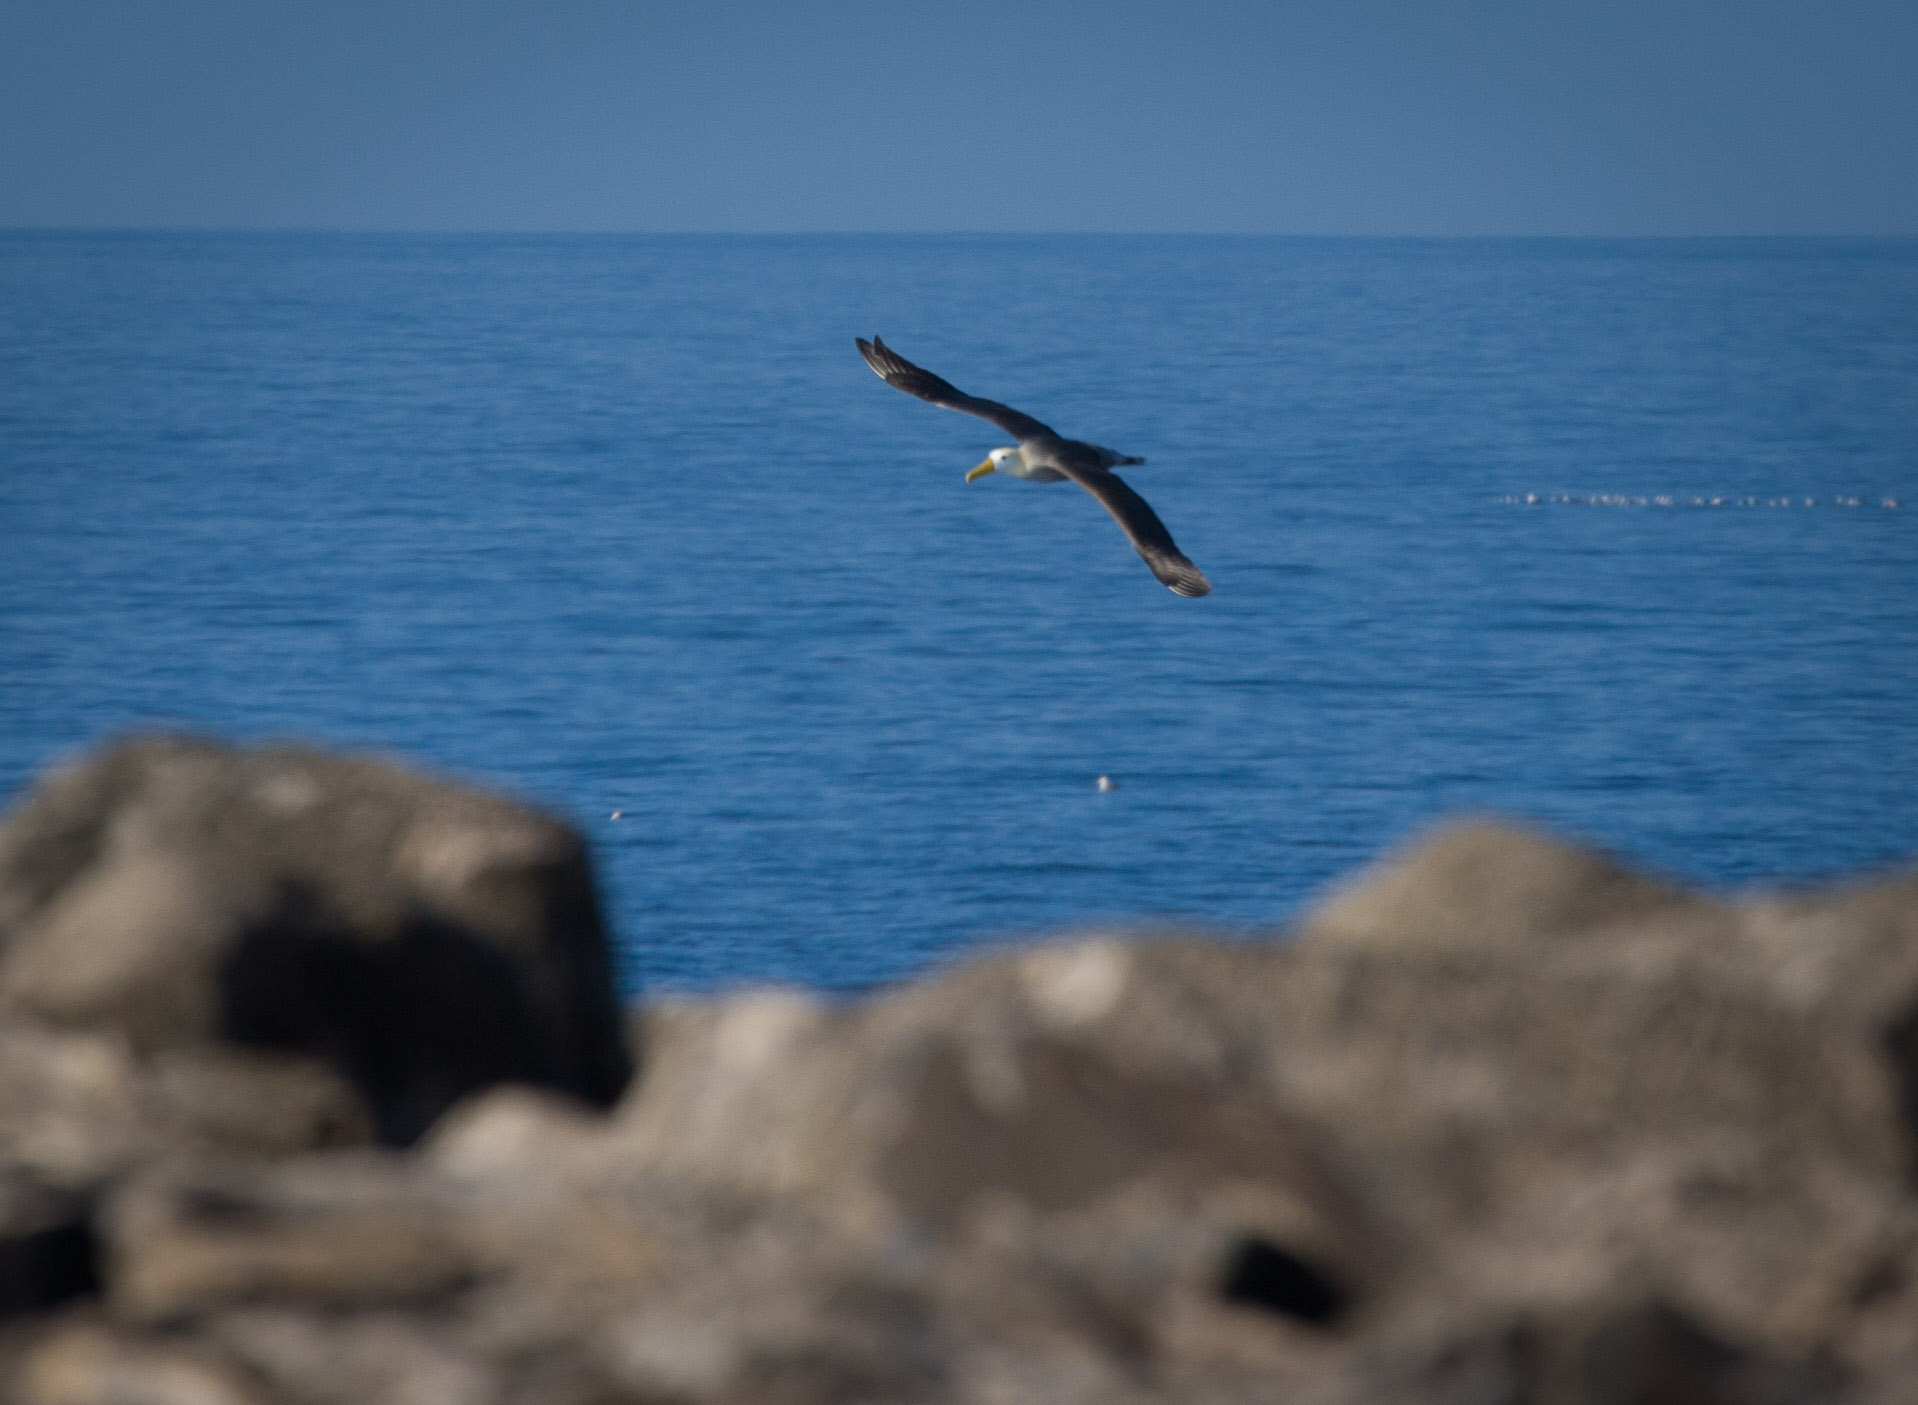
(1042, 456)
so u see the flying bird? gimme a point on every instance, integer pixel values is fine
(1044, 457)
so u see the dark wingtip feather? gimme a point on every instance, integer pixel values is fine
(1180, 576)
(885, 362)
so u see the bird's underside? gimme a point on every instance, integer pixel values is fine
(1088, 465)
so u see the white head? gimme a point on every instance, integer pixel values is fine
(1000, 461)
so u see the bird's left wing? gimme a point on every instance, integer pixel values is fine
(896, 371)
(1143, 527)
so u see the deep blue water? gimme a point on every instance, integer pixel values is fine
(625, 524)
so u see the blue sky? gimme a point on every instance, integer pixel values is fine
(1310, 117)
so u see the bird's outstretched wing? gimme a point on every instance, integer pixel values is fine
(1143, 527)
(896, 371)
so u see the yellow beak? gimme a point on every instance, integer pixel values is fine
(981, 471)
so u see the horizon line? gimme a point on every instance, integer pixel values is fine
(530, 232)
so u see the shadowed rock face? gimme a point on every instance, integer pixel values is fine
(415, 1021)
(422, 939)
(48, 1250)
(1503, 1124)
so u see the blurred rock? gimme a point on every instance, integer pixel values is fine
(423, 939)
(48, 1252)
(92, 1364)
(1500, 1076)
(1505, 1124)
(78, 1110)
(353, 1359)
(1483, 885)
(73, 1109)
(254, 1102)
(340, 1230)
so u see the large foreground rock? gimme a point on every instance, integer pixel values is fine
(421, 939)
(1502, 1124)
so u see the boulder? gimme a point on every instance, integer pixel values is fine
(1009, 1081)
(421, 938)
(1478, 885)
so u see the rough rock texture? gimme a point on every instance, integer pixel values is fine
(1501, 1124)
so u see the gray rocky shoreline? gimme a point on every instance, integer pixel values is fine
(315, 1090)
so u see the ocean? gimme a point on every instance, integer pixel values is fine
(1616, 537)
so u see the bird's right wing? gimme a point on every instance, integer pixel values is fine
(1143, 527)
(899, 373)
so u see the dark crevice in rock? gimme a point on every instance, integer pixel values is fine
(1261, 1274)
(1901, 1047)
(415, 1021)
(48, 1265)
(219, 1207)
(1883, 1278)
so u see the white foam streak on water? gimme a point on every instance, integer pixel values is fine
(1677, 500)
